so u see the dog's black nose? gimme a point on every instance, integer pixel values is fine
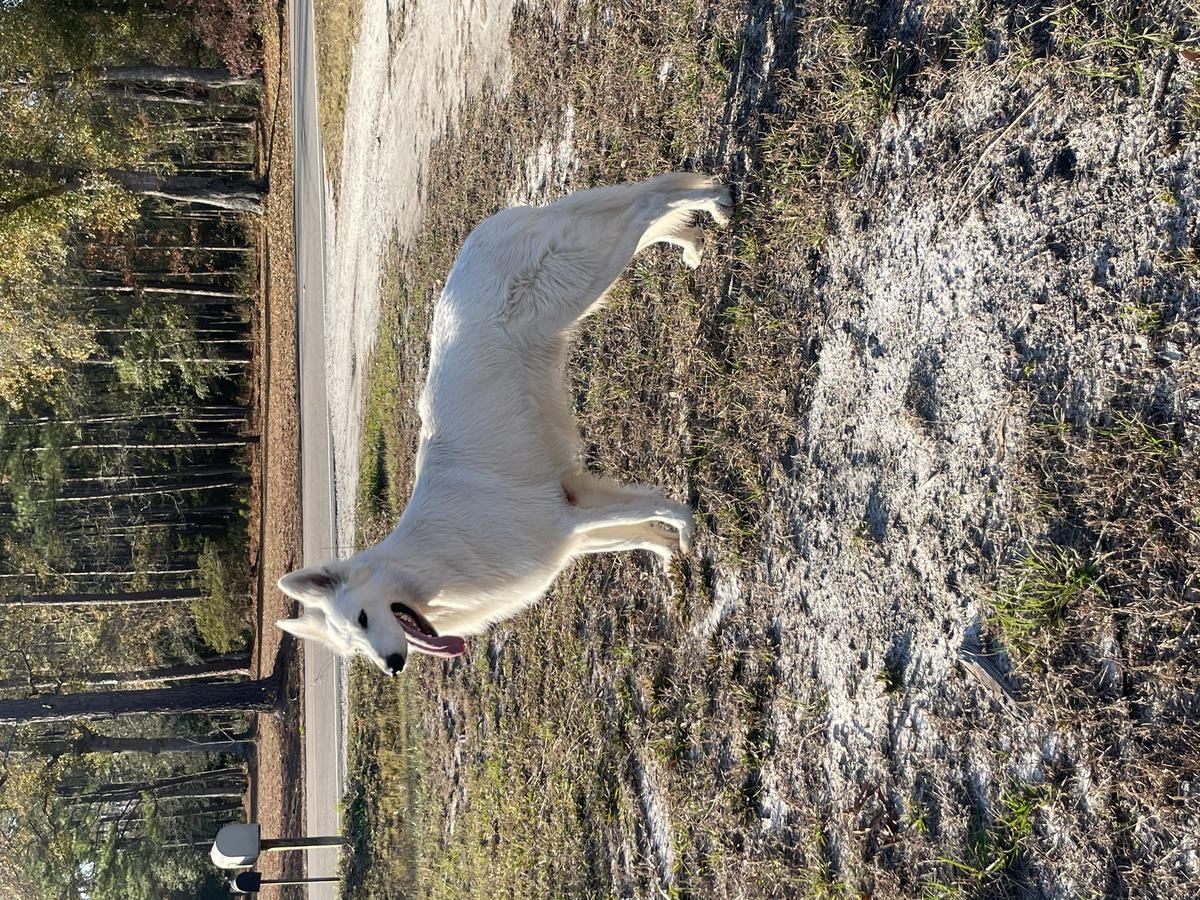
(395, 663)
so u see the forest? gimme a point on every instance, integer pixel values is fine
(130, 191)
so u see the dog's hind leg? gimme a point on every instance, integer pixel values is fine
(602, 503)
(619, 538)
(581, 244)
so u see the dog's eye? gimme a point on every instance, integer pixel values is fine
(362, 619)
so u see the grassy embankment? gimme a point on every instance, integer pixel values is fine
(614, 737)
(335, 25)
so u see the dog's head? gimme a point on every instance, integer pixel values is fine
(352, 607)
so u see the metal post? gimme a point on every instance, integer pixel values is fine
(253, 882)
(303, 843)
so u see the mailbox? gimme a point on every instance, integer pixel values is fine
(237, 845)
(247, 882)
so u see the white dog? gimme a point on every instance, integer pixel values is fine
(502, 502)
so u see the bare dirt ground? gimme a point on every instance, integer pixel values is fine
(936, 398)
(277, 785)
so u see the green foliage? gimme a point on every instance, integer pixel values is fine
(1040, 591)
(44, 329)
(152, 872)
(387, 793)
(221, 613)
(61, 848)
(51, 115)
(63, 130)
(995, 852)
(48, 845)
(163, 349)
(50, 32)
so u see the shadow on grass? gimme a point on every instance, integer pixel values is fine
(375, 491)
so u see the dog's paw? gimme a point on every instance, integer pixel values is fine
(721, 208)
(686, 529)
(691, 241)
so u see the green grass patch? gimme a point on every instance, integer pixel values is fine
(1042, 588)
(386, 801)
(992, 863)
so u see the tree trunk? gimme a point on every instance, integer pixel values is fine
(178, 792)
(236, 196)
(9, 206)
(94, 574)
(197, 444)
(209, 78)
(205, 784)
(153, 490)
(211, 471)
(229, 664)
(175, 98)
(101, 743)
(217, 414)
(124, 787)
(195, 248)
(172, 595)
(241, 195)
(133, 816)
(238, 696)
(182, 287)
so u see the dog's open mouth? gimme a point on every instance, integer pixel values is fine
(422, 636)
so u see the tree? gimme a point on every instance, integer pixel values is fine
(42, 180)
(238, 696)
(106, 598)
(209, 78)
(203, 784)
(229, 664)
(89, 742)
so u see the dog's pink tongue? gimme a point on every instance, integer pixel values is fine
(443, 645)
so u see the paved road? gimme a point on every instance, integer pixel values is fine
(324, 738)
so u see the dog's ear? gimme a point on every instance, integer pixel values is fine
(312, 586)
(308, 627)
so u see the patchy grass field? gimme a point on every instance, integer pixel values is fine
(935, 396)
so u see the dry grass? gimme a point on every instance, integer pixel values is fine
(336, 24)
(1101, 619)
(544, 763)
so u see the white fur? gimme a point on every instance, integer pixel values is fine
(502, 502)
